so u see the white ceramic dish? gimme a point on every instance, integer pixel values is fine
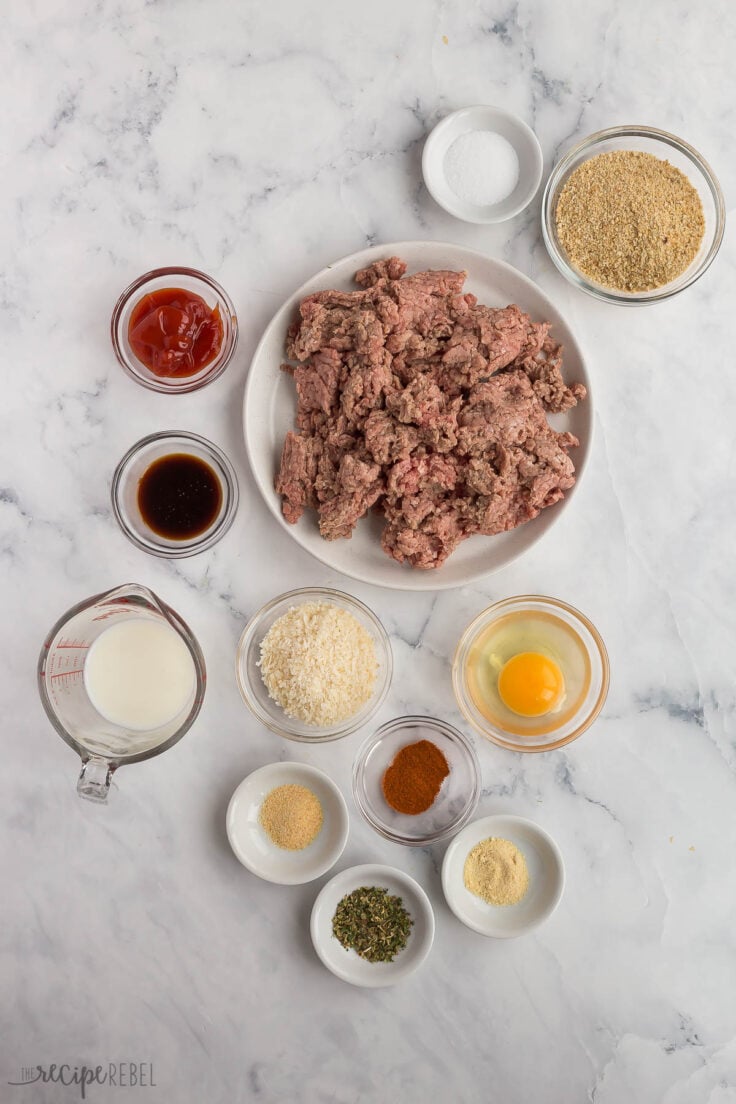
(346, 964)
(270, 404)
(510, 127)
(546, 877)
(251, 843)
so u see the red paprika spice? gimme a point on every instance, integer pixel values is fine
(413, 780)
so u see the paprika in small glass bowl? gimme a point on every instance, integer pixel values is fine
(396, 770)
(174, 330)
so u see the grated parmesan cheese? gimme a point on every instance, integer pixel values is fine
(318, 663)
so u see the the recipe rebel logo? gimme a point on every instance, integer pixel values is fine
(119, 1075)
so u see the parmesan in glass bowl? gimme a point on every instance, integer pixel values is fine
(314, 664)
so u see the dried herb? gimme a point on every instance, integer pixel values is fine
(372, 922)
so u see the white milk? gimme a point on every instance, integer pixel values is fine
(139, 674)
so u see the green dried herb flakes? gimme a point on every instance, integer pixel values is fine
(373, 923)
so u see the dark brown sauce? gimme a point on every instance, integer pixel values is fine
(179, 496)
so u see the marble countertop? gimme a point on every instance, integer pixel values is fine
(260, 142)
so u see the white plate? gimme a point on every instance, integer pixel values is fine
(253, 846)
(546, 877)
(270, 405)
(510, 127)
(347, 964)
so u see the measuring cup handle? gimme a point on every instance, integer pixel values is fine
(94, 781)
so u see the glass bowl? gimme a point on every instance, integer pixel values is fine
(190, 279)
(128, 474)
(253, 689)
(523, 734)
(458, 796)
(666, 147)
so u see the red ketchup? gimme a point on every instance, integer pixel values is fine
(174, 333)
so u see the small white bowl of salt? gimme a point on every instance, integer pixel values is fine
(482, 164)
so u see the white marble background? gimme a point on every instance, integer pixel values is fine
(259, 142)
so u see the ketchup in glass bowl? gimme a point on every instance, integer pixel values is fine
(174, 330)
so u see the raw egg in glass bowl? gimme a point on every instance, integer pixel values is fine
(531, 673)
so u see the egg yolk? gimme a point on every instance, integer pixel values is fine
(530, 684)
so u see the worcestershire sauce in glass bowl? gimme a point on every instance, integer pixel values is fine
(174, 494)
(179, 496)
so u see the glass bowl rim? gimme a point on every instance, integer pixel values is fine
(231, 495)
(351, 724)
(576, 278)
(456, 736)
(459, 682)
(188, 383)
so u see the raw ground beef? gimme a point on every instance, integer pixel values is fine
(418, 401)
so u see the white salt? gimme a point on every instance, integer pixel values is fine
(481, 167)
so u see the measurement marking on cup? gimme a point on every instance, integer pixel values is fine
(66, 674)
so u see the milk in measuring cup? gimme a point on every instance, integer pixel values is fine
(139, 674)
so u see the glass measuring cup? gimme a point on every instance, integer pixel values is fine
(102, 745)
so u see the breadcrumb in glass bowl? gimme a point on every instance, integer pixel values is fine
(665, 147)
